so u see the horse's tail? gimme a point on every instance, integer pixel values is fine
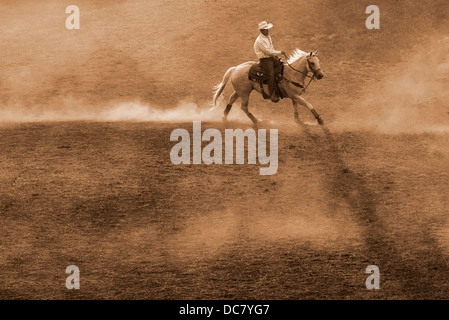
(220, 87)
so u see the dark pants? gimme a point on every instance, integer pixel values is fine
(268, 67)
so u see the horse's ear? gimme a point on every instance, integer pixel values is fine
(310, 55)
(316, 52)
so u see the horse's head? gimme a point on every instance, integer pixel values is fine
(314, 65)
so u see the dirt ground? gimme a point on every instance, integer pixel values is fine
(105, 197)
(86, 177)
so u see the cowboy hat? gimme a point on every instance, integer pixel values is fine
(265, 25)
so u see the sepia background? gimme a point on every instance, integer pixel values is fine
(86, 178)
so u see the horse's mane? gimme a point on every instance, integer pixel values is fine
(296, 55)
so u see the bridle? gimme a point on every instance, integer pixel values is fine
(306, 74)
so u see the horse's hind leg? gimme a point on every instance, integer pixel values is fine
(234, 96)
(244, 107)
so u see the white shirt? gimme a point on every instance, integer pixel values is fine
(263, 47)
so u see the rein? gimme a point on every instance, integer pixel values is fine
(306, 74)
(297, 69)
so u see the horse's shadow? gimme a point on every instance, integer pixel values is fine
(344, 185)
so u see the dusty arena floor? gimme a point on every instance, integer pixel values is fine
(106, 197)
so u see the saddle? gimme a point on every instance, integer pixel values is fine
(257, 74)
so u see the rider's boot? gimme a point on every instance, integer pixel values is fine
(272, 89)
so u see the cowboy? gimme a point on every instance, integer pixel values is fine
(263, 47)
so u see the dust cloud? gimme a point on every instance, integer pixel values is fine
(125, 111)
(411, 97)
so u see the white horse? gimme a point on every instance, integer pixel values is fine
(296, 71)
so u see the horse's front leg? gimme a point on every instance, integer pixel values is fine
(295, 112)
(304, 103)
